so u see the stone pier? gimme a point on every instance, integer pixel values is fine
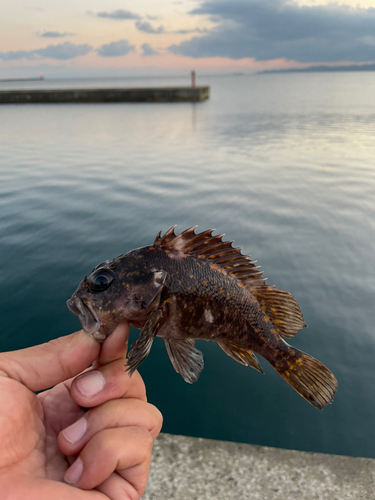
(161, 94)
(186, 468)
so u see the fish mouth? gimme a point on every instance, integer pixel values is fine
(85, 313)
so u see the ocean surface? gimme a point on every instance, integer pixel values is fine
(284, 164)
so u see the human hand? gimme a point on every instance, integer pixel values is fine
(51, 448)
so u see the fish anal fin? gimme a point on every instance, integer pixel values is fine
(282, 308)
(185, 358)
(241, 355)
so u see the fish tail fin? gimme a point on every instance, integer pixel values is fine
(308, 376)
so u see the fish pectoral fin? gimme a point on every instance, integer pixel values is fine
(140, 349)
(185, 358)
(282, 308)
(243, 356)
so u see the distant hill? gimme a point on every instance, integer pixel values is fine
(319, 69)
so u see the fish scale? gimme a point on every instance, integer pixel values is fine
(196, 286)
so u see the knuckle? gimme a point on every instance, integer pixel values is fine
(140, 386)
(157, 417)
(102, 439)
(145, 441)
(149, 443)
(58, 348)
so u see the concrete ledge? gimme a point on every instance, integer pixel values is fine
(185, 468)
(172, 94)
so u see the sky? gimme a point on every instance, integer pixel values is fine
(97, 37)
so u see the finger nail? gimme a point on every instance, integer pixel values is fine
(90, 383)
(74, 472)
(74, 432)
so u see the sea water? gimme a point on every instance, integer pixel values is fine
(284, 164)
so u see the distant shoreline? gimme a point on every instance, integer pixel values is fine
(321, 69)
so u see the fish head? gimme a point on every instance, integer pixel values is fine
(125, 289)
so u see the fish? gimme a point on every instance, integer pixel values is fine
(196, 286)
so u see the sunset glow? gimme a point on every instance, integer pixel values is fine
(210, 35)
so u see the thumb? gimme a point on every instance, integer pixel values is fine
(46, 365)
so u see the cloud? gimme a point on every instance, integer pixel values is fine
(63, 51)
(119, 14)
(147, 50)
(54, 34)
(116, 49)
(272, 29)
(18, 54)
(187, 32)
(147, 28)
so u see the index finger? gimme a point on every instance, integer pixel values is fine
(108, 378)
(115, 345)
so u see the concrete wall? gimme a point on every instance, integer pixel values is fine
(185, 468)
(172, 94)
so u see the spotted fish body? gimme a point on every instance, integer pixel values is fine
(195, 286)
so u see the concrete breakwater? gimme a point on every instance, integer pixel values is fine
(186, 468)
(161, 94)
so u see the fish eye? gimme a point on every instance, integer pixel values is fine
(100, 280)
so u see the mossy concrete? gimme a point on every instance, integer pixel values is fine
(185, 468)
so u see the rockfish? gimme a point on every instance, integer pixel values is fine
(197, 286)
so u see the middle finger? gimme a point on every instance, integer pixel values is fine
(110, 381)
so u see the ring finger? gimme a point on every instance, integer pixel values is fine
(112, 414)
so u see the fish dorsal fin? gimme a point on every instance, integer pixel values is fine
(282, 308)
(221, 254)
(166, 239)
(243, 356)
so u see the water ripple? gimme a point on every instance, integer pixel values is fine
(276, 163)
